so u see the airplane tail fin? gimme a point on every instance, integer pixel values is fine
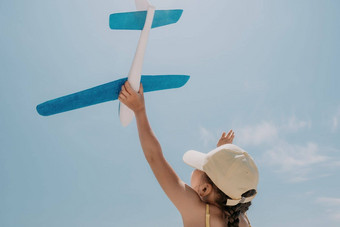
(135, 20)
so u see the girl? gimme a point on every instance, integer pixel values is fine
(222, 185)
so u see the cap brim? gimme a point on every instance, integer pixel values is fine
(194, 159)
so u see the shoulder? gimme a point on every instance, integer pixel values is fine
(192, 204)
(194, 214)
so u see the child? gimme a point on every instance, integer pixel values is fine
(222, 185)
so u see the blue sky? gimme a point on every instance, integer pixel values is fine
(267, 69)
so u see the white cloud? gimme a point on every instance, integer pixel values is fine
(336, 216)
(295, 161)
(264, 132)
(310, 193)
(294, 124)
(288, 156)
(329, 201)
(335, 121)
(207, 136)
(335, 163)
(300, 163)
(267, 132)
(333, 205)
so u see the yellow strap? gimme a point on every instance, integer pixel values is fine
(207, 216)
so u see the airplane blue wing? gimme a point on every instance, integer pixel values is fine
(136, 20)
(107, 92)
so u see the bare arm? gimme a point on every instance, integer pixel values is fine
(178, 192)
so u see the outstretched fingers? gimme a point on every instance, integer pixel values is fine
(223, 135)
(231, 135)
(226, 138)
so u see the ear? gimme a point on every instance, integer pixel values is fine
(204, 189)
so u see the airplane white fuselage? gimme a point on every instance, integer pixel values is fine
(126, 115)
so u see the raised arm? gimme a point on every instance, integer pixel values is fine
(182, 196)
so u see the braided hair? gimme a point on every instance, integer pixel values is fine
(231, 213)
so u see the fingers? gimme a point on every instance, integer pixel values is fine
(229, 133)
(229, 136)
(122, 97)
(226, 138)
(232, 134)
(123, 92)
(141, 89)
(223, 135)
(128, 88)
(127, 91)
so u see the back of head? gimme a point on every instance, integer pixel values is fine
(231, 169)
(232, 173)
(231, 213)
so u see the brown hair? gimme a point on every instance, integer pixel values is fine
(231, 213)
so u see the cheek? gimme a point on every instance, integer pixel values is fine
(192, 180)
(195, 177)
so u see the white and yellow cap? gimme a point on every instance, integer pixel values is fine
(231, 169)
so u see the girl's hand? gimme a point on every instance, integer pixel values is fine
(225, 139)
(132, 99)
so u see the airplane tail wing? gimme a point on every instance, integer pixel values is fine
(107, 92)
(136, 20)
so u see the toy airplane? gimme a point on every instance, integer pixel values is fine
(144, 19)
